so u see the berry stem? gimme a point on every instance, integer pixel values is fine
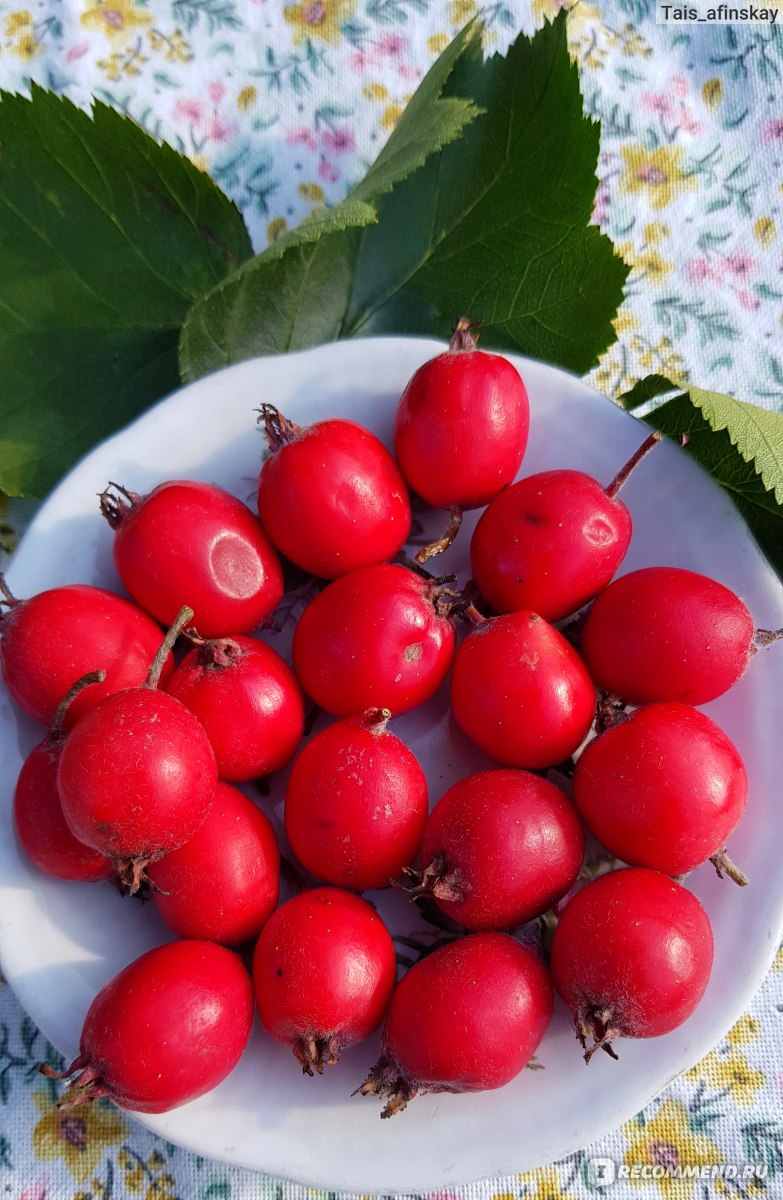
(56, 728)
(7, 595)
(463, 339)
(183, 617)
(633, 462)
(422, 572)
(278, 429)
(442, 543)
(472, 614)
(375, 719)
(724, 866)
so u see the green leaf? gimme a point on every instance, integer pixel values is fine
(716, 449)
(494, 226)
(756, 432)
(293, 294)
(106, 240)
(645, 390)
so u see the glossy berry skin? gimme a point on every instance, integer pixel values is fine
(193, 543)
(56, 637)
(323, 971)
(332, 498)
(461, 428)
(374, 639)
(131, 805)
(223, 884)
(40, 824)
(521, 692)
(549, 543)
(166, 1029)
(631, 956)
(664, 633)
(500, 848)
(356, 803)
(467, 1018)
(662, 789)
(248, 701)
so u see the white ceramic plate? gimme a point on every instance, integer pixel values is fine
(59, 943)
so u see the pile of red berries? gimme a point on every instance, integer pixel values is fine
(133, 781)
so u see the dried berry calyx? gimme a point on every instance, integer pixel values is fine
(438, 880)
(86, 1087)
(279, 431)
(596, 1027)
(316, 1053)
(116, 502)
(390, 1083)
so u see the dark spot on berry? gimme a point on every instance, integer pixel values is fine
(279, 972)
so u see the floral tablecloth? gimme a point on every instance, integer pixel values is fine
(286, 104)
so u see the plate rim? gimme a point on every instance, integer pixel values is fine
(158, 1123)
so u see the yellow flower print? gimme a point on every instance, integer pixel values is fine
(114, 17)
(438, 42)
(745, 1031)
(122, 63)
(462, 11)
(546, 1181)
(712, 92)
(79, 1137)
(276, 228)
(323, 19)
(655, 232)
(312, 192)
(632, 43)
(26, 47)
(18, 22)
(178, 48)
(624, 322)
(764, 232)
(732, 1073)
(651, 264)
(658, 173)
(375, 91)
(669, 1140)
(175, 45)
(246, 98)
(391, 115)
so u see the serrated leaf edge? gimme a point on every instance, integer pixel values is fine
(751, 456)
